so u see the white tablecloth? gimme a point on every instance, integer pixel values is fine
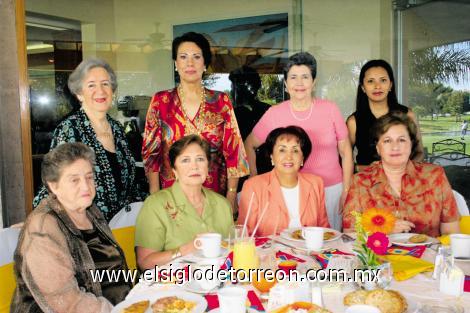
(420, 288)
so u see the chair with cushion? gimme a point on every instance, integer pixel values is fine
(123, 228)
(461, 204)
(8, 242)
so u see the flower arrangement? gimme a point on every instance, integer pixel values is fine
(372, 227)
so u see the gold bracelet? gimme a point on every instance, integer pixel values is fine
(232, 189)
(176, 253)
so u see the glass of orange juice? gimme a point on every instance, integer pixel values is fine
(244, 254)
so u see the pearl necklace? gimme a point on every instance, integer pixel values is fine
(199, 119)
(301, 119)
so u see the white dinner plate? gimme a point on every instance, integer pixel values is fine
(287, 234)
(201, 303)
(402, 239)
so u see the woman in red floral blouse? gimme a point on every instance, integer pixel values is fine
(418, 193)
(192, 109)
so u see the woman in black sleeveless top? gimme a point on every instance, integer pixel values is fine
(375, 97)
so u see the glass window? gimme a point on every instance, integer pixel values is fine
(255, 38)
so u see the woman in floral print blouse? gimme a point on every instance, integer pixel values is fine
(192, 109)
(93, 82)
(418, 193)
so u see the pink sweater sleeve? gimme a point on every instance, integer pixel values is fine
(265, 125)
(338, 120)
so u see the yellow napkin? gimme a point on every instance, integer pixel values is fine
(465, 225)
(444, 239)
(407, 266)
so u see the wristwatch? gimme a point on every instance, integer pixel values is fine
(232, 189)
(176, 254)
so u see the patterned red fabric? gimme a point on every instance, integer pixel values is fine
(416, 251)
(426, 197)
(166, 122)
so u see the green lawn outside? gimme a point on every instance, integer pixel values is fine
(443, 124)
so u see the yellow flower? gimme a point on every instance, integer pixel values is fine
(378, 220)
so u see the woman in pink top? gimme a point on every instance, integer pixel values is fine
(292, 199)
(325, 126)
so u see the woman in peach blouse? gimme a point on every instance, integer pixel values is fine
(293, 199)
(418, 193)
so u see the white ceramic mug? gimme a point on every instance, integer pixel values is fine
(232, 299)
(460, 245)
(362, 308)
(209, 243)
(313, 237)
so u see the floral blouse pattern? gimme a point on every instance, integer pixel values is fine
(108, 199)
(426, 197)
(166, 124)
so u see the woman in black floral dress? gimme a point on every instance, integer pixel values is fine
(93, 82)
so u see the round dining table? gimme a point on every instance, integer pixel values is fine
(419, 289)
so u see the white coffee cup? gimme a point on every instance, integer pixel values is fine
(209, 243)
(313, 237)
(232, 299)
(460, 245)
(362, 308)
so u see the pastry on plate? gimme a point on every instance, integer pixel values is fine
(172, 305)
(328, 235)
(297, 234)
(387, 301)
(355, 297)
(418, 238)
(138, 307)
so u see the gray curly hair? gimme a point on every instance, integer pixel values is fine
(75, 81)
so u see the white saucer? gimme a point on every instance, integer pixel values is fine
(197, 257)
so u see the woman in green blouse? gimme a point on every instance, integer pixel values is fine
(171, 218)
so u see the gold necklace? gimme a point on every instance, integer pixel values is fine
(104, 132)
(199, 119)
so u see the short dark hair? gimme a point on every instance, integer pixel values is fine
(246, 75)
(180, 145)
(302, 58)
(75, 80)
(383, 124)
(362, 101)
(298, 132)
(62, 156)
(196, 38)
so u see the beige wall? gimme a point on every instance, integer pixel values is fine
(342, 36)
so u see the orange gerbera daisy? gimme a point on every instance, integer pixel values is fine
(378, 220)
